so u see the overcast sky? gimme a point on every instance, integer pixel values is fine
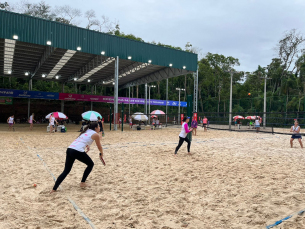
(245, 29)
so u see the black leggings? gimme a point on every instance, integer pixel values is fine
(181, 140)
(73, 154)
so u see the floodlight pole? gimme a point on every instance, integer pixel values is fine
(231, 85)
(230, 114)
(116, 92)
(265, 101)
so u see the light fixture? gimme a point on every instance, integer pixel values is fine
(49, 42)
(56, 77)
(15, 37)
(43, 75)
(129, 57)
(149, 61)
(89, 80)
(103, 52)
(170, 65)
(75, 79)
(184, 67)
(113, 83)
(26, 73)
(9, 72)
(78, 48)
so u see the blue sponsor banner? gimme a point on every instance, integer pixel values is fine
(29, 94)
(169, 103)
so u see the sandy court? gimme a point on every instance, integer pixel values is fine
(232, 180)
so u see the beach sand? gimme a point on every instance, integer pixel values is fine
(231, 180)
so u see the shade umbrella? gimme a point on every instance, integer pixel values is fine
(91, 115)
(157, 112)
(252, 117)
(238, 117)
(58, 115)
(139, 116)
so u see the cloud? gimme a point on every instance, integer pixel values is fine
(245, 29)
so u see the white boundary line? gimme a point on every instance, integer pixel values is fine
(69, 198)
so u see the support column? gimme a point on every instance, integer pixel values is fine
(75, 87)
(149, 105)
(166, 100)
(179, 115)
(29, 100)
(195, 105)
(145, 108)
(116, 92)
(129, 100)
(62, 101)
(91, 101)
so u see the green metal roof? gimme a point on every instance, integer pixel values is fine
(39, 31)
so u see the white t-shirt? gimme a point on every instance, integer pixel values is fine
(52, 120)
(257, 122)
(31, 118)
(183, 133)
(295, 129)
(11, 120)
(82, 141)
(157, 121)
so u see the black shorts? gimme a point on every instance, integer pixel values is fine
(204, 125)
(296, 136)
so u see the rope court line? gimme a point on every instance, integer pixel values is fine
(284, 219)
(69, 198)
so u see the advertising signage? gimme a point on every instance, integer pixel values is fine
(29, 94)
(6, 100)
(81, 97)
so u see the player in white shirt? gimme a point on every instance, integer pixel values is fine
(78, 151)
(295, 129)
(52, 121)
(11, 122)
(31, 120)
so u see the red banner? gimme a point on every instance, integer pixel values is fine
(181, 117)
(124, 117)
(195, 116)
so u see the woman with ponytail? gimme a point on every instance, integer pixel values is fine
(78, 150)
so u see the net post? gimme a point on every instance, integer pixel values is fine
(272, 130)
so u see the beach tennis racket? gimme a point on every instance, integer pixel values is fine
(102, 160)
